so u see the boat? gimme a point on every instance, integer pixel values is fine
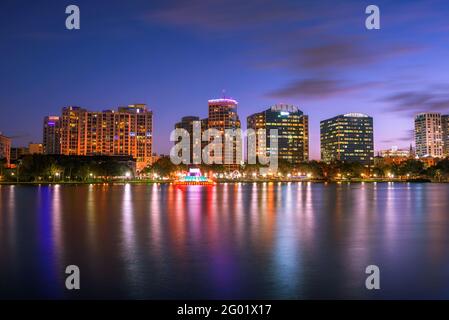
(194, 177)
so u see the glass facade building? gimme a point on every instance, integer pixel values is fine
(292, 128)
(348, 138)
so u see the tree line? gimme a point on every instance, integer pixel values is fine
(38, 167)
(31, 168)
(411, 169)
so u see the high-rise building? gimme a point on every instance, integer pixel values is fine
(223, 116)
(348, 138)
(71, 123)
(128, 131)
(292, 132)
(429, 135)
(445, 128)
(5, 149)
(52, 135)
(188, 123)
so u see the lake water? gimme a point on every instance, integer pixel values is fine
(230, 241)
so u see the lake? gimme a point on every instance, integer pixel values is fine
(229, 241)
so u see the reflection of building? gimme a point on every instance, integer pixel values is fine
(445, 129)
(52, 135)
(128, 131)
(223, 116)
(292, 130)
(348, 138)
(428, 135)
(5, 149)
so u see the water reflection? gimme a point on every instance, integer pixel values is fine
(246, 240)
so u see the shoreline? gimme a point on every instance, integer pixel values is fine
(36, 183)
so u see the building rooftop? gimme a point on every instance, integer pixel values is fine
(356, 115)
(223, 101)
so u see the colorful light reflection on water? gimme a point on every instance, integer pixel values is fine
(268, 240)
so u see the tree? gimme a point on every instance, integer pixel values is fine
(410, 168)
(164, 167)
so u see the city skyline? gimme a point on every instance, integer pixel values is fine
(178, 56)
(50, 121)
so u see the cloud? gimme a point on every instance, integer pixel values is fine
(222, 15)
(306, 39)
(319, 88)
(413, 102)
(407, 136)
(347, 53)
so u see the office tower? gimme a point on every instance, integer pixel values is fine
(52, 135)
(5, 149)
(188, 123)
(223, 116)
(292, 132)
(128, 131)
(428, 135)
(445, 129)
(348, 138)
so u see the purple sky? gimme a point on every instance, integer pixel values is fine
(175, 55)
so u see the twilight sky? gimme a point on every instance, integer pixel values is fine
(175, 55)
